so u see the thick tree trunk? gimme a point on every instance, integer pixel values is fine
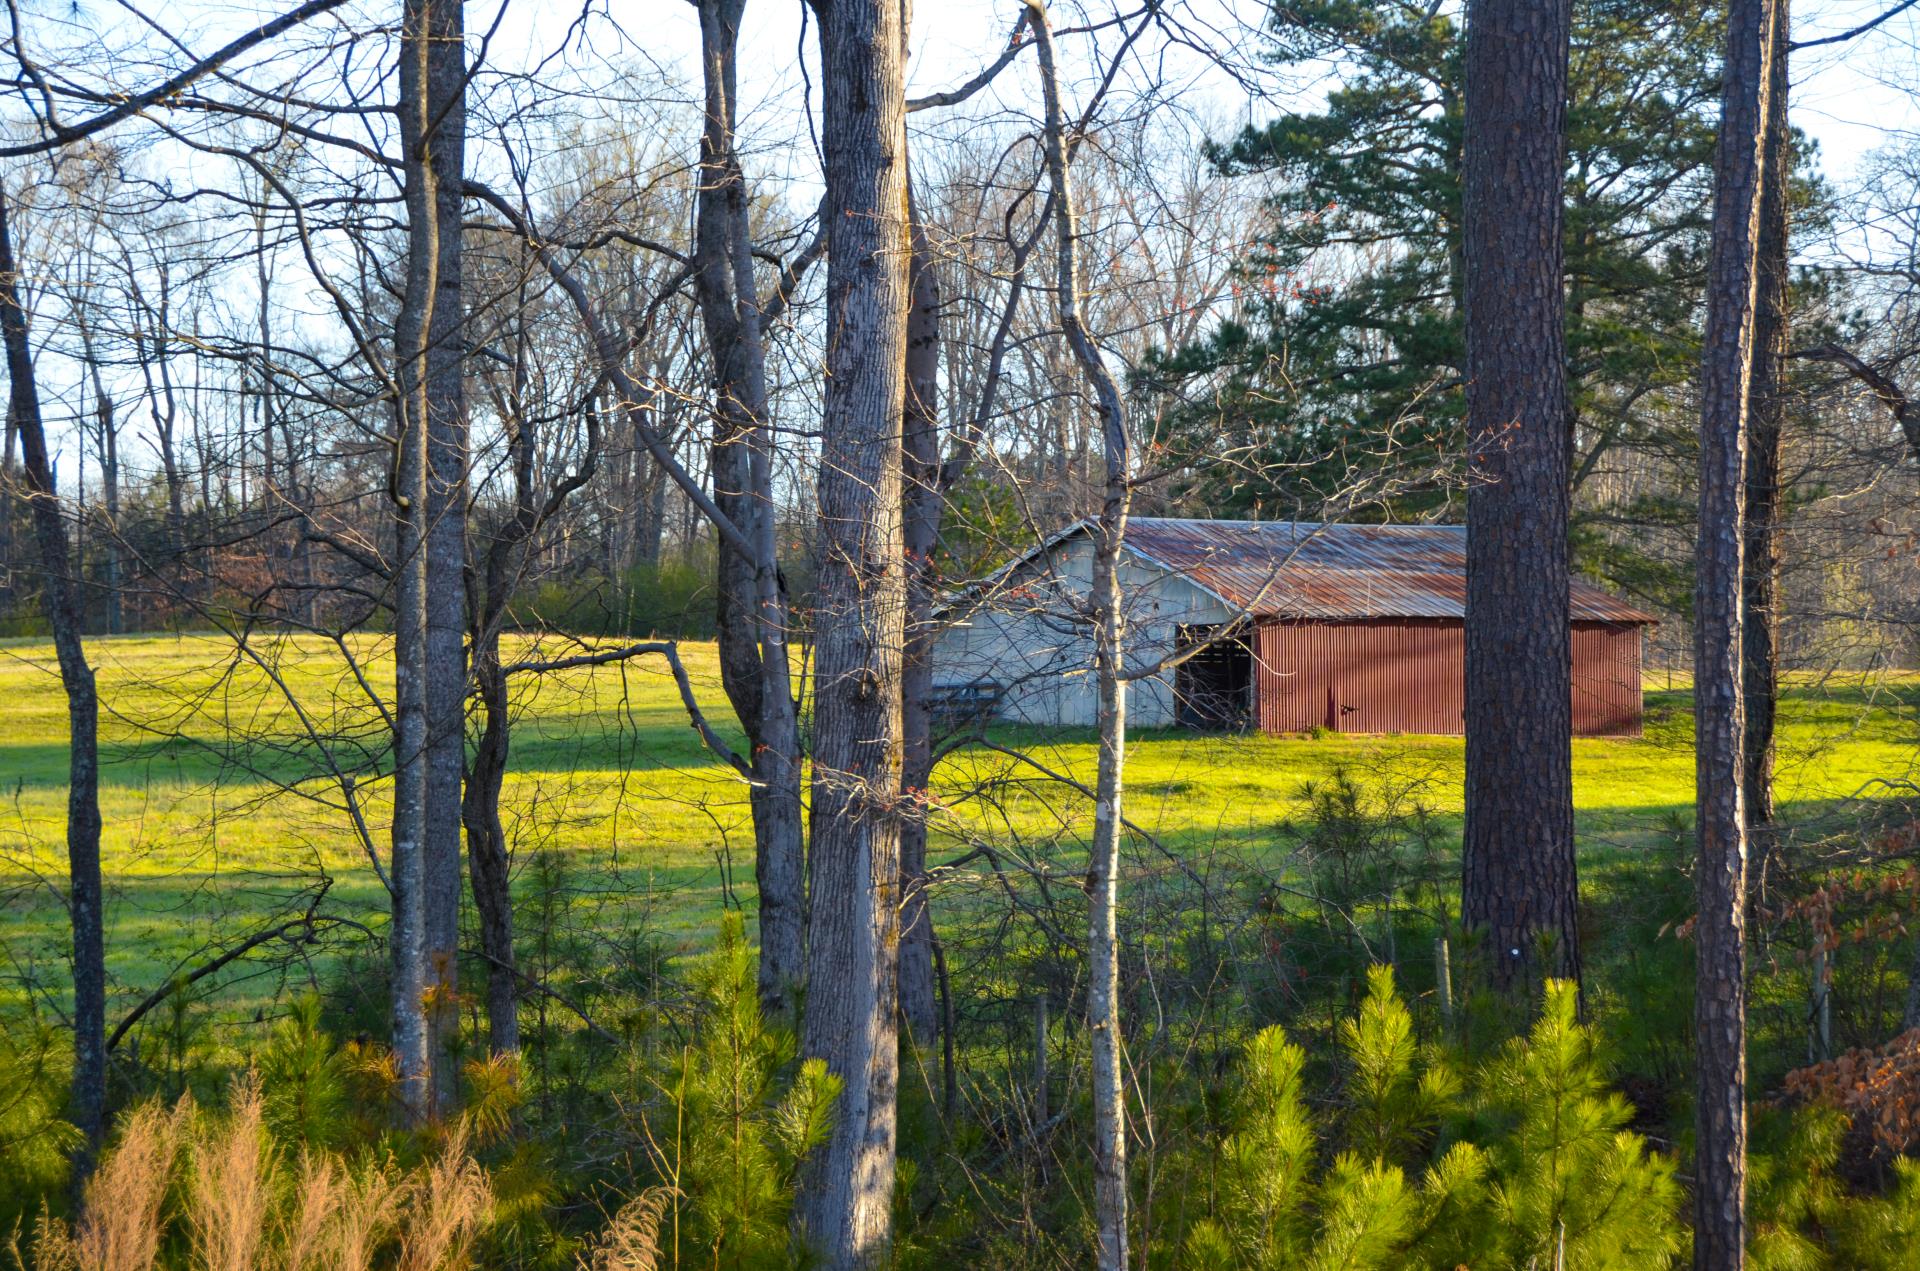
(1760, 569)
(1726, 376)
(446, 579)
(60, 600)
(1519, 887)
(924, 493)
(430, 674)
(1109, 643)
(752, 619)
(844, 1206)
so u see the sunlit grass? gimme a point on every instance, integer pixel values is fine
(220, 811)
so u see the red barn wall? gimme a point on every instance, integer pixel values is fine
(1407, 675)
(1607, 695)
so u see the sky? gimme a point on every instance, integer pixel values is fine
(1851, 97)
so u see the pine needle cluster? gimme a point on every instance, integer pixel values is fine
(1522, 1161)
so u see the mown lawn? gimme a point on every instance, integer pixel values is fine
(220, 810)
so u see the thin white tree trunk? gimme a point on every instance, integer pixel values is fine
(1109, 623)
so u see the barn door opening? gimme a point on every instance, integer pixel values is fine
(1213, 689)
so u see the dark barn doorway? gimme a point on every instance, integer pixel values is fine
(1213, 689)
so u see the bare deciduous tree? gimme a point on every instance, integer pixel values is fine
(752, 628)
(844, 1208)
(429, 491)
(1108, 614)
(61, 602)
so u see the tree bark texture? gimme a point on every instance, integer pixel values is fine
(843, 1211)
(60, 600)
(1760, 568)
(1109, 645)
(1726, 379)
(430, 673)
(1519, 886)
(924, 495)
(489, 864)
(752, 619)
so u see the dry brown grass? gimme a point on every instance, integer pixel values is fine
(339, 1220)
(230, 1186)
(631, 1241)
(309, 1230)
(447, 1210)
(123, 1227)
(238, 1211)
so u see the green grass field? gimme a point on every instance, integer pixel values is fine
(219, 808)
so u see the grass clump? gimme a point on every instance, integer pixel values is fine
(184, 1189)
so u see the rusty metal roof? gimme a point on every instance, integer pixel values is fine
(1302, 569)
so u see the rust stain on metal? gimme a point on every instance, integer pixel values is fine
(1305, 570)
(1408, 675)
(1398, 675)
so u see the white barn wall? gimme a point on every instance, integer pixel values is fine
(1023, 638)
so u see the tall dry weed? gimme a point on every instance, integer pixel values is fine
(231, 1184)
(339, 1220)
(308, 1229)
(51, 1242)
(631, 1241)
(239, 1211)
(123, 1226)
(448, 1209)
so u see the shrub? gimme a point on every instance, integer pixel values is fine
(738, 1132)
(1527, 1162)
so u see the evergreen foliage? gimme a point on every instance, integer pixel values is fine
(34, 1140)
(1526, 1162)
(1350, 351)
(742, 1115)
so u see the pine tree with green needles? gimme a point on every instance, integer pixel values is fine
(1395, 1096)
(1575, 1187)
(34, 1140)
(1525, 1161)
(309, 1097)
(740, 1127)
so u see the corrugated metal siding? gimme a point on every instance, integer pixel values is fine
(1382, 676)
(1607, 696)
(1409, 676)
(1335, 572)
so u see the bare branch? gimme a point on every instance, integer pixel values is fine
(59, 135)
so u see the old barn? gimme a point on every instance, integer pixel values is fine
(1356, 628)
